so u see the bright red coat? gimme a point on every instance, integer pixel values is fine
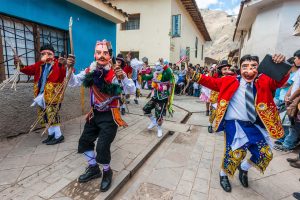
(54, 80)
(264, 104)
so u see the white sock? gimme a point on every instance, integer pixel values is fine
(50, 130)
(245, 165)
(90, 157)
(153, 119)
(222, 173)
(57, 131)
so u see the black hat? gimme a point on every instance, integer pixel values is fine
(121, 58)
(223, 63)
(47, 47)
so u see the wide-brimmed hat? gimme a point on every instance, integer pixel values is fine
(223, 63)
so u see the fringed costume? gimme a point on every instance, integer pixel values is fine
(161, 84)
(104, 117)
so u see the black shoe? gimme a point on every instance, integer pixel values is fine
(49, 138)
(291, 160)
(90, 173)
(207, 113)
(296, 195)
(136, 101)
(225, 184)
(278, 142)
(123, 111)
(106, 180)
(243, 176)
(295, 164)
(56, 141)
(210, 129)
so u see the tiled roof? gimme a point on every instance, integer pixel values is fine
(193, 10)
(114, 7)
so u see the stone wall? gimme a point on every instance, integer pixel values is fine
(16, 115)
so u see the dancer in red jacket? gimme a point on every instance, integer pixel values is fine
(247, 114)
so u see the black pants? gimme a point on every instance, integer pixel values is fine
(158, 105)
(103, 127)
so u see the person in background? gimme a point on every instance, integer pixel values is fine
(147, 75)
(181, 80)
(279, 101)
(205, 92)
(189, 80)
(292, 138)
(174, 66)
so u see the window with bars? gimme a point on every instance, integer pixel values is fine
(26, 38)
(133, 23)
(176, 25)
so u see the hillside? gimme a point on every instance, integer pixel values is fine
(221, 28)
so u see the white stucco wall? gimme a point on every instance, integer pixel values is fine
(152, 39)
(264, 33)
(189, 32)
(287, 43)
(272, 30)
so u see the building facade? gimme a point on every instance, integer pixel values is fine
(28, 24)
(169, 29)
(267, 27)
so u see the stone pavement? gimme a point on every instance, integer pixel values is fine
(186, 166)
(31, 170)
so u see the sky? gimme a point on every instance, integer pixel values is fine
(230, 6)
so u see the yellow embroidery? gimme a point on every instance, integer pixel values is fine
(50, 91)
(221, 109)
(222, 103)
(271, 120)
(35, 89)
(261, 106)
(234, 159)
(265, 159)
(214, 97)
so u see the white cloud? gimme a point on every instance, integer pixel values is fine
(206, 3)
(233, 11)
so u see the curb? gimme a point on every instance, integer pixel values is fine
(124, 176)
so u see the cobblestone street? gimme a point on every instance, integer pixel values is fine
(182, 165)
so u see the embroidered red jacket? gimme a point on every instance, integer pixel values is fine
(54, 79)
(264, 104)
